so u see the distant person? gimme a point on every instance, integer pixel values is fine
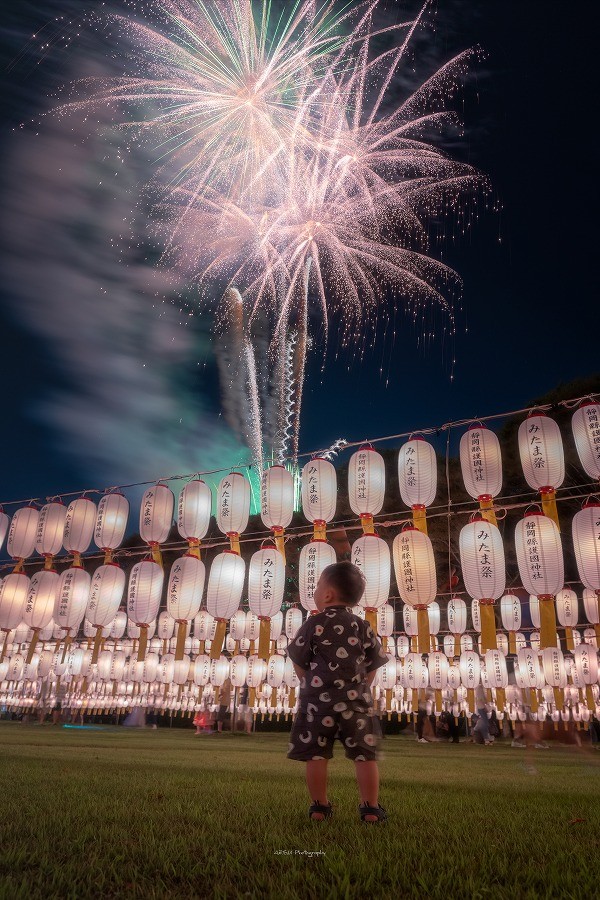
(224, 701)
(482, 727)
(336, 654)
(245, 711)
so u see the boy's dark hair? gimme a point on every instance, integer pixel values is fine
(347, 579)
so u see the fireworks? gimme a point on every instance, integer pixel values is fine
(291, 185)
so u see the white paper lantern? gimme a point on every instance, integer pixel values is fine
(41, 599)
(366, 485)
(13, 597)
(219, 671)
(266, 583)
(457, 615)
(417, 473)
(482, 560)
(586, 663)
(553, 663)
(314, 557)
(541, 452)
(415, 672)
(586, 541)
(22, 533)
(414, 565)
(591, 604)
(156, 516)
(371, 555)
(111, 522)
(257, 671)
(184, 594)
(72, 599)
(201, 670)
(233, 506)
(237, 625)
(470, 669)
(438, 666)
(143, 598)
(238, 670)
(106, 592)
(80, 520)
(433, 612)
(119, 624)
(319, 493)
(567, 608)
(586, 431)
(528, 670)
(293, 621)
(50, 529)
(224, 593)
(539, 554)
(385, 620)
(481, 462)
(510, 612)
(193, 511)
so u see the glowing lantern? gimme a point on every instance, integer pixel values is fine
(371, 555)
(224, 593)
(510, 612)
(586, 431)
(293, 621)
(417, 477)
(540, 561)
(156, 517)
(555, 673)
(481, 465)
(193, 513)
(71, 601)
(470, 674)
(4, 523)
(385, 623)
(529, 674)
(106, 592)
(314, 557)
(482, 561)
(586, 540)
(22, 534)
(144, 594)
(433, 613)
(111, 522)
(542, 459)
(184, 594)
(438, 666)
(266, 583)
(219, 671)
(233, 507)
(457, 620)
(80, 520)
(119, 624)
(13, 597)
(238, 671)
(39, 605)
(414, 565)
(567, 613)
(237, 626)
(277, 502)
(534, 611)
(366, 485)
(416, 676)
(591, 604)
(319, 494)
(585, 659)
(201, 670)
(50, 531)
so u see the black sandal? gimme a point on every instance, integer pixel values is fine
(319, 808)
(366, 810)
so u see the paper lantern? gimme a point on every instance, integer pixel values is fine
(238, 669)
(119, 624)
(385, 622)
(540, 561)
(586, 540)
(417, 477)
(144, 594)
(319, 494)
(277, 502)
(415, 674)
(266, 583)
(50, 531)
(219, 671)
(39, 605)
(201, 670)
(414, 565)
(4, 525)
(184, 594)
(470, 674)
(542, 459)
(314, 557)
(366, 485)
(233, 507)
(71, 601)
(237, 625)
(80, 520)
(510, 612)
(156, 518)
(567, 613)
(193, 513)
(438, 667)
(483, 570)
(293, 621)
(106, 592)
(456, 612)
(586, 431)
(224, 593)
(111, 522)
(13, 597)
(481, 465)
(371, 555)
(534, 610)
(585, 659)
(22, 534)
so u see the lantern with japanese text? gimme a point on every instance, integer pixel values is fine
(414, 565)
(366, 485)
(13, 597)
(483, 569)
(319, 494)
(224, 593)
(277, 502)
(233, 507)
(106, 592)
(371, 555)
(555, 673)
(510, 612)
(481, 465)
(80, 520)
(586, 431)
(193, 513)
(71, 601)
(156, 518)
(50, 531)
(542, 459)
(143, 598)
(591, 606)
(266, 583)
(456, 612)
(385, 623)
(585, 659)
(470, 674)
(417, 477)
(567, 613)
(293, 621)
(438, 666)
(540, 561)
(238, 669)
(118, 626)
(22, 535)
(39, 605)
(586, 541)
(314, 557)
(529, 674)
(497, 675)
(111, 522)
(184, 595)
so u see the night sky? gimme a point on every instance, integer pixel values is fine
(97, 390)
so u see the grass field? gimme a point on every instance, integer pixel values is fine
(148, 814)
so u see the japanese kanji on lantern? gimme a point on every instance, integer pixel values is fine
(193, 513)
(156, 518)
(484, 575)
(233, 507)
(438, 666)
(71, 601)
(39, 604)
(510, 613)
(277, 502)
(366, 485)
(224, 593)
(540, 561)
(585, 659)
(456, 612)
(497, 675)
(111, 522)
(184, 595)
(542, 459)
(470, 674)
(417, 478)
(13, 596)
(22, 534)
(586, 541)
(567, 613)
(50, 531)
(106, 592)
(266, 583)
(314, 557)
(414, 565)
(481, 465)
(586, 431)
(371, 555)
(529, 675)
(144, 594)
(319, 494)
(592, 610)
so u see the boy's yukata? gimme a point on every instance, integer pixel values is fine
(337, 649)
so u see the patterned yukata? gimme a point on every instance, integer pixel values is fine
(337, 650)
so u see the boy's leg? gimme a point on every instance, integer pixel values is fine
(367, 776)
(316, 782)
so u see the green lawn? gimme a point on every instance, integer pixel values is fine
(120, 813)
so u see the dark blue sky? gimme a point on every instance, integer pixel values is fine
(529, 313)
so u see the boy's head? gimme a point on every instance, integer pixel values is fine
(341, 584)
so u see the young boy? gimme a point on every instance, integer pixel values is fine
(336, 654)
